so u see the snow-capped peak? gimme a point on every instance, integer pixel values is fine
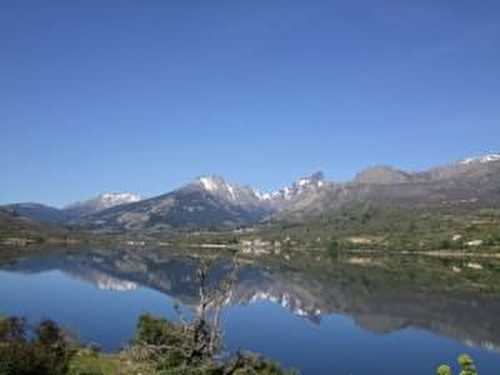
(316, 180)
(216, 184)
(262, 196)
(208, 183)
(304, 181)
(246, 195)
(481, 159)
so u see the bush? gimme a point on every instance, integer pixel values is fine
(155, 331)
(333, 248)
(170, 347)
(48, 353)
(466, 364)
(87, 372)
(444, 370)
(158, 340)
(445, 244)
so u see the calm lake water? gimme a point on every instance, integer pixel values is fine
(348, 316)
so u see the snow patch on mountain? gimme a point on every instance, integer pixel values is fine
(101, 202)
(208, 183)
(303, 184)
(313, 182)
(117, 285)
(287, 301)
(217, 184)
(251, 197)
(231, 191)
(114, 199)
(481, 159)
(261, 196)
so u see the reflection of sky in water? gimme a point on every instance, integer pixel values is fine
(103, 316)
(106, 310)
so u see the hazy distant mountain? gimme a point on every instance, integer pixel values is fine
(51, 215)
(99, 203)
(14, 225)
(38, 212)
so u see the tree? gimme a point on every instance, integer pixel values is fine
(42, 351)
(192, 346)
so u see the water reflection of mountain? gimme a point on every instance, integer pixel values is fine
(377, 299)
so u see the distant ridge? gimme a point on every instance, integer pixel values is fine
(101, 202)
(211, 202)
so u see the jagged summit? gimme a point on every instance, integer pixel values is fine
(303, 184)
(218, 186)
(214, 183)
(315, 179)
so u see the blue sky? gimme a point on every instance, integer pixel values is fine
(143, 96)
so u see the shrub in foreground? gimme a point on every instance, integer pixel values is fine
(466, 364)
(176, 349)
(48, 352)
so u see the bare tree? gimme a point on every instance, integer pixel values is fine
(207, 326)
(200, 339)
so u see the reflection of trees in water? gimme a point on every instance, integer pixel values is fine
(193, 345)
(382, 294)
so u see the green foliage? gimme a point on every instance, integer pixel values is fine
(156, 331)
(333, 248)
(250, 363)
(169, 348)
(445, 244)
(48, 353)
(89, 362)
(444, 370)
(393, 228)
(87, 371)
(492, 213)
(466, 364)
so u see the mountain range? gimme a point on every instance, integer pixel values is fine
(210, 202)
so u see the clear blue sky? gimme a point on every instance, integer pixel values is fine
(143, 96)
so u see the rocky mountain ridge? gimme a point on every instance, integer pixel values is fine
(210, 202)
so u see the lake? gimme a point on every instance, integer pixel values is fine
(350, 315)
